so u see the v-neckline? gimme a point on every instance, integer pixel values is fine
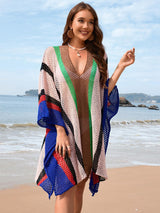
(73, 68)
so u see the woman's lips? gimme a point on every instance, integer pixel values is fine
(84, 32)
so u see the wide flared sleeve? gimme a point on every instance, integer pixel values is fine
(50, 174)
(49, 110)
(109, 110)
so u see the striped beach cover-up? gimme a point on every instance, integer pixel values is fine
(58, 106)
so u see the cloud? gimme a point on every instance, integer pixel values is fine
(33, 6)
(132, 33)
(116, 7)
(30, 26)
(10, 6)
(53, 5)
(141, 11)
(33, 60)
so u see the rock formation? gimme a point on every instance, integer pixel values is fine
(125, 103)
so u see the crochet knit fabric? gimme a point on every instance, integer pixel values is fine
(83, 108)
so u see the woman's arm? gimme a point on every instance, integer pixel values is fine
(127, 59)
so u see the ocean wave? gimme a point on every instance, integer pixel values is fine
(136, 122)
(114, 123)
(25, 125)
(144, 163)
(23, 151)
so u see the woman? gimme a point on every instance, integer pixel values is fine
(76, 102)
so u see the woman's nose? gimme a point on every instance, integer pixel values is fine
(85, 25)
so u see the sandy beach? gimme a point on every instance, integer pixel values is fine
(127, 190)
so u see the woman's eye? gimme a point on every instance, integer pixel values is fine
(82, 21)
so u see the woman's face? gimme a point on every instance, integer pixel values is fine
(82, 25)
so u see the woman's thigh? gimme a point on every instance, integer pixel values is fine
(79, 188)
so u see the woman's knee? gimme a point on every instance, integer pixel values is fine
(69, 194)
(80, 187)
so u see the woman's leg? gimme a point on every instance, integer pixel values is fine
(65, 203)
(78, 198)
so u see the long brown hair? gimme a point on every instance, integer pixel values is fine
(95, 46)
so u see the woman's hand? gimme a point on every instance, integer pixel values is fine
(62, 142)
(127, 59)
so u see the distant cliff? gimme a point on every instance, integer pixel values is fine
(124, 102)
(32, 92)
(141, 98)
(132, 97)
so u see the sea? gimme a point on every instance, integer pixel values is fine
(134, 139)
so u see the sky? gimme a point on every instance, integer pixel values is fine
(29, 27)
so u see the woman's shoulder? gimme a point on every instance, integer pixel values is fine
(51, 49)
(49, 55)
(48, 51)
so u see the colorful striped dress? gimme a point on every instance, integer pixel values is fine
(83, 108)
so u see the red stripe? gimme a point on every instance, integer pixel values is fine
(42, 98)
(95, 178)
(47, 131)
(43, 179)
(49, 105)
(53, 106)
(64, 166)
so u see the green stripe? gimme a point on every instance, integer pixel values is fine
(66, 76)
(90, 91)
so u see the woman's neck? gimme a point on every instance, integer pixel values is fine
(77, 44)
